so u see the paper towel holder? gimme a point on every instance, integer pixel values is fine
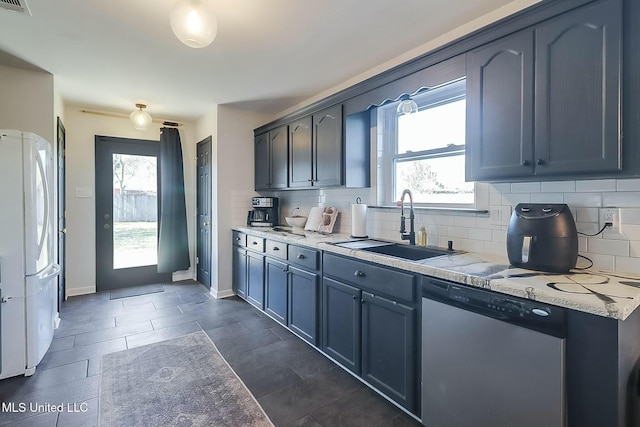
(363, 218)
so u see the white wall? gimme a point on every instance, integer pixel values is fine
(81, 129)
(27, 101)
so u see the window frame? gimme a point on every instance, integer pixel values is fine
(388, 155)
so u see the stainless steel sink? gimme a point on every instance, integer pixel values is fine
(397, 250)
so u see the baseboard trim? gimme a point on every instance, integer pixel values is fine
(182, 275)
(223, 294)
(73, 292)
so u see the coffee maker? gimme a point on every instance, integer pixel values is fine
(265, 212)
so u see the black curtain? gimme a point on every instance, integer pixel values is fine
(173, 244)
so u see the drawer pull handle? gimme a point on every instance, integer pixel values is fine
(359, 273)
(254, 243)
(275, 248)
(301, 256)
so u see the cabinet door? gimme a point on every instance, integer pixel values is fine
(303, 304)
(275, 284)
(389, 348)
(300, 153)
(327, 147)
(341, 323)
(239, 280)
(255, 279)
(262, 162)
(499, 134)
(279, 145)
(578, 66)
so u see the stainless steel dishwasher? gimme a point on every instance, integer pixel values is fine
(490, 360)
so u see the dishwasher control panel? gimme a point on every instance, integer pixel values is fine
(527, 313)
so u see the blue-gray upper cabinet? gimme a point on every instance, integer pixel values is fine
(546, 101)
(315, 150)
(271, 151)
(300, 153)
(327, 147)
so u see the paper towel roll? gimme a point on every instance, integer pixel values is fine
(358, 220)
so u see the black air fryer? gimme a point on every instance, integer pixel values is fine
(542, 237)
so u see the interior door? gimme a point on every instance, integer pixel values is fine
(203, 208)
(62, 212)
(127, 208)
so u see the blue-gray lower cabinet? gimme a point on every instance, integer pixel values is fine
(239, 280)
(255, 279)
(275, 286)
(388, 348)
(341, 312)
(303, 303)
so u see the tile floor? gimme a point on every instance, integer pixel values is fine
(296, 385)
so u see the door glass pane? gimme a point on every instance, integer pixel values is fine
(135, 211)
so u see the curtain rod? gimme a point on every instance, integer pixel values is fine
(126, 116)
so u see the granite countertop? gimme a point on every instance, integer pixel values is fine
(608, 294)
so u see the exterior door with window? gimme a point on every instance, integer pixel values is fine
(127, 191)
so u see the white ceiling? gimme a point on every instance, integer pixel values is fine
(268, 54)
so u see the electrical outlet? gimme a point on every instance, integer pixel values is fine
(611, 215)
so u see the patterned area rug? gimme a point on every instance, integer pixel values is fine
(180, 382)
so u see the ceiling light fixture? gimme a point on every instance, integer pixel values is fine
(141, 119)
(193, 23)
(407, 106)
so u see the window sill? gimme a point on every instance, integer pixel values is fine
(435, 209)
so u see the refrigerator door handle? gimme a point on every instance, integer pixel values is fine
(45, 188)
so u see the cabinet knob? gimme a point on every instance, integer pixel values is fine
(359, 273)
(300, 256)
(275, 248)
(526, 163)
(254, 243)
(355, 297)
(540, 162)
(238, 239)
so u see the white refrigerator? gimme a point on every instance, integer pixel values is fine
(28, 275)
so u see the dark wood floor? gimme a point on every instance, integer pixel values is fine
(296, 385)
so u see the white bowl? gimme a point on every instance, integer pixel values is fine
(296, 221)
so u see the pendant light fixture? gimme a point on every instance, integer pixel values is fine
(407, 106)
(193, 23)
(141, 119)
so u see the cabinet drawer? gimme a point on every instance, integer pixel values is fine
(377, 279)
(239, 239)
(309, 258)
(277, 249)
(255, 243)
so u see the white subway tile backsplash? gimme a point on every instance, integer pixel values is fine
(587, 215)
(558, 187)
(501, 187)
(547, 198)
(628, 184)
(631, 231)
(525, 187)
(608, 247)
(583, 199)
(480, 234)
(486, 233)
(600, 262)
(621, 200)
(629, 265)
(596, 185)
(512, 199)
(630, 215)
